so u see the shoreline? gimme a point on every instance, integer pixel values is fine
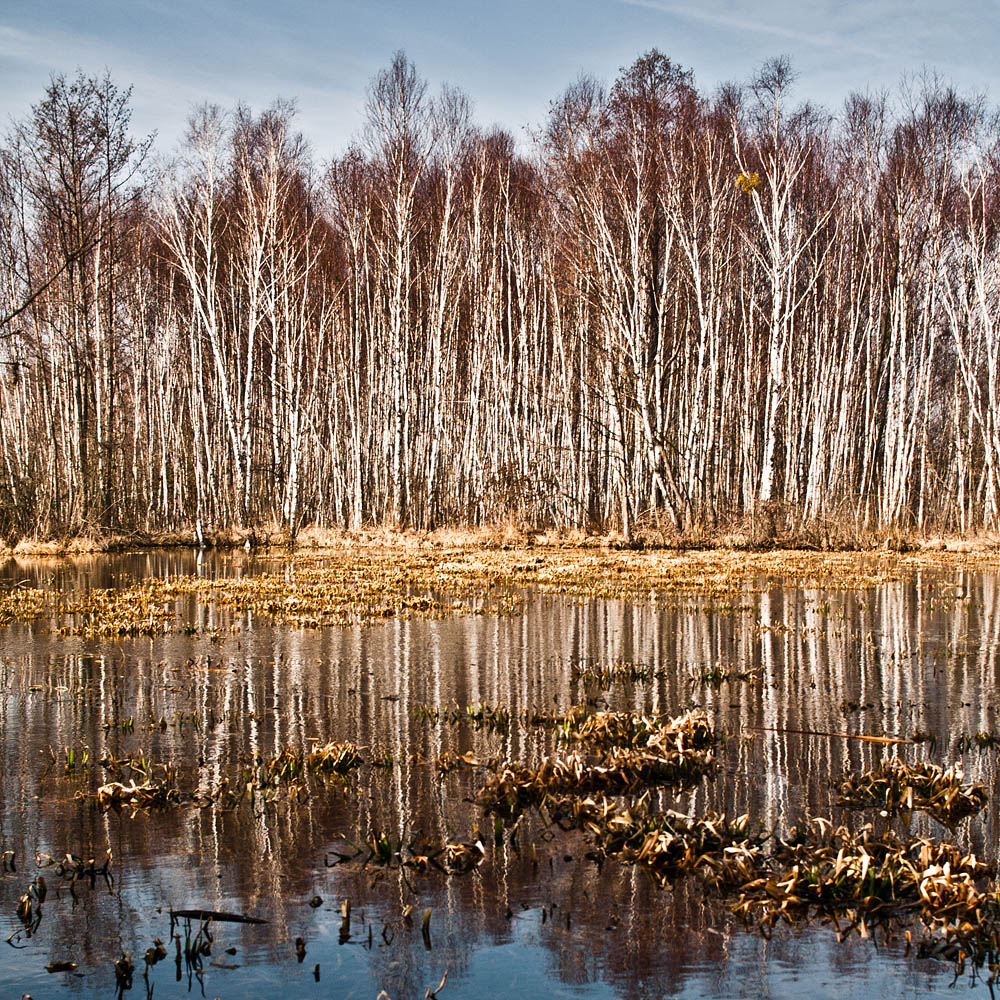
(499, 537)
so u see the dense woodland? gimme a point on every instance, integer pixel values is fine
(675, 309)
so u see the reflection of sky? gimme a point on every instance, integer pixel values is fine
(884, 660)
(512, 57)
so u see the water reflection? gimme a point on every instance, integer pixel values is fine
(909, 657)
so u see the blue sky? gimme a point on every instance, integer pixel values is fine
(512, 57)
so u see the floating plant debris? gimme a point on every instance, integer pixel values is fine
(605, 674)
(717, 676)
(218, 916)
(636, 752)
(896, 787)
(450, 761)
(159, 785)
(334, 758)
(495, 718)
(462, 856)
(22, 604)
(855, 879)
(61, 966)
(76, 869)
(148, 795)
(666, 843)
(634, 730)
(394, 851)
(290, 765)
(981, 740)
(138, 610)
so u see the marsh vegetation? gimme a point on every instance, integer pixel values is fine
(649, 771)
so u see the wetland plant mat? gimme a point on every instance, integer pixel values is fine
(368, 586)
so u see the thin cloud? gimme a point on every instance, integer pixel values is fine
(825, 40)
(162, 99)
(57, 53)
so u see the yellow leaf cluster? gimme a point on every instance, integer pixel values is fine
(748, 182)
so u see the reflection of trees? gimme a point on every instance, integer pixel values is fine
(923, 652)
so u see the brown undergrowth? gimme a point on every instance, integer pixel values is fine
(774, 526)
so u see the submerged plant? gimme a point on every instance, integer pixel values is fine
(603, 675)
(148, 795)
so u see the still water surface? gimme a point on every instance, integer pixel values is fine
(537, 918)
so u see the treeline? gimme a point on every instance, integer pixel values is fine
(677, 309)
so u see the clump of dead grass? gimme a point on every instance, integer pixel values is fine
(622, 753)
(635, 730)
(151, 794)
(897, 787)
(665, 843)
(862, 879)
(22, 604)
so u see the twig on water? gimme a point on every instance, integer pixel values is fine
(892, 740)
(430, 994)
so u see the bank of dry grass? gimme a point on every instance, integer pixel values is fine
(758, 533)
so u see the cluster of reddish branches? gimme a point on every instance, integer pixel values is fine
(676, 309)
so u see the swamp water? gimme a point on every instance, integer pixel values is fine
(782, 675)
